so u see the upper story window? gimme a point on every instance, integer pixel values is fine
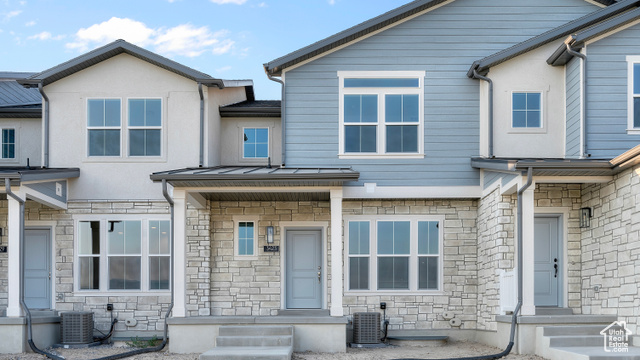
(633, 97)
(104, 123)
(8, 143)
(145, 127)
(398, 253)
(526, 110)
(255, 143)
(381, 114)
(118, 255)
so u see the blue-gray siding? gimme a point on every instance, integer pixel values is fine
(607, 93)
(573, 95)
(49, 189)
(491, 177)
(444, 43)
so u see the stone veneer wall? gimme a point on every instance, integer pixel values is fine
(252, 287)
(496, 252)
(148, 310)
(198, 271)
(460, 267)
(566, 196)
(611, 249)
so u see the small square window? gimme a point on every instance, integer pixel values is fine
(526, 110)
(255, 143)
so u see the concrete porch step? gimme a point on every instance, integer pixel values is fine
(563, 330)
(553, 311)
(255, 330)
(261, 341)
(574, 340)
(592, 353)
(249, 353)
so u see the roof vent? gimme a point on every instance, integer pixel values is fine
(76, 328)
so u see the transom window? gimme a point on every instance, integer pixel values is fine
(255, 143)
(123, 255)
(526, 110)
(381, 114)
(633, 99)
(396, 253)
(8, 143)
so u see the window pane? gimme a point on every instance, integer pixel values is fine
(136, 142)
(360, 139)
(359, 237)
(136, 112)
(159, 237)
(393, 108)
(159, 268)
(249, 150)
(410, 108)
(111, 142)
(95, 112)
(262, 136)
(349, 83)
(519, 101)
(360, 108)
(245, 238)
(401, 108)
(358, 273)
(370, 108)
(152, 142)
(89, 237)
(262, 150)
(393, 273)
(89, 273)
(352, 108)
(153, 112)
(428, 272)
(144, 142)
(533, 101)
(401, 237)
(636, 112)
(112, 112)
(115, 237)
(428, 237)
(124, 272)
(519, 119)
(636, 78)
(385, 237)
(132, 237)
(165, 237)
(403, 139)
(533, 119)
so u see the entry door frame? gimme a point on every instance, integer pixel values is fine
(285, 226)
(47, 226)
(562, 214)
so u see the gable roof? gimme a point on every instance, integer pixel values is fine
(482, 66)
(15, 100)
(276, 66)
(576, 41)
(110, 50)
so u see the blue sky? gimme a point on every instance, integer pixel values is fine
(228, 39)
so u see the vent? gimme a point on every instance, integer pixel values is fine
(76, 328)
(366, 328)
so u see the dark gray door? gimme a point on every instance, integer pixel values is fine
(547, 261)
(304, 269)
(37, 268)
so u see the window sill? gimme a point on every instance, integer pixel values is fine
(633, 131)
(120, 159)
(393, 292)
(380, 156)
(532, 131)
(139, 293)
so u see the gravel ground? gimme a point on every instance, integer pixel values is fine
(458, 349)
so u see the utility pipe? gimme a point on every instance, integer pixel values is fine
(478, 76)
(45, 162)
(584, 153)
(282, 116)
(32, 345)
(201, 162)
(519, 245)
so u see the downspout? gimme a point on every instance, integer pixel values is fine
(519, 245)
(478, 76)
(201, 163)
(45, 161)
(282, 116)
(32, 345)
(584, 153)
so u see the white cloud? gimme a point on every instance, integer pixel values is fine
(221, 2)
(11, 14)
(262, 5)
(30, 23)
(223, 69)
(332, 2)
(185, 40)
(45, 35)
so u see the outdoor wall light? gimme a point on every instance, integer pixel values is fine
(269, 234)
(585, 217)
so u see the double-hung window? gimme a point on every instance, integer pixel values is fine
(104, 124)
(397, 253)
(123, 254)
(381, 114)
(633, 97)
(145, 127)
(8, 143)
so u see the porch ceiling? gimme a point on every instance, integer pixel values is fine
(266, 196)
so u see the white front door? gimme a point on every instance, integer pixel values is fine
(37, 268)
(304, 269)
(548, 264)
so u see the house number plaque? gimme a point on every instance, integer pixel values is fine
(271, 248)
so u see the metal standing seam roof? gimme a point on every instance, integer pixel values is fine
(110, 50)
(15, 100)
(20, 174)
(482, 66)
(576, 41)
(562, 167)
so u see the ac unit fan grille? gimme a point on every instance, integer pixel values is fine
(366, 328)
(76, 327)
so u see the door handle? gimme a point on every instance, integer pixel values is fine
(555, 266)
(49, 275)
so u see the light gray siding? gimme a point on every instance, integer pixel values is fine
(607, 93)
(49, 189)
(443, 43)
(491, 177)
(573, 95)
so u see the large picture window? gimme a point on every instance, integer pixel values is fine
(123, 255)
(381, 114)
(399, 253)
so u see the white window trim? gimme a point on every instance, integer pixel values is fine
(528, 130)
(130, 127)
(124, 133)
(381, 128)
(236, 238)
(104, 256)
(16, 148)
(631, 60)
(413, 257)
(268, 143)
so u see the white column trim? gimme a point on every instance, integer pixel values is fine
(528, 260)
(336, 253)
(179, 255)
(13, 272)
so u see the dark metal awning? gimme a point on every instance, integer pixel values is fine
(21, 174)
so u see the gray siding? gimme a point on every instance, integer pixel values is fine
(573, 90)
(607, 93)
(444, 43)
(491, 177)
(49, 189)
